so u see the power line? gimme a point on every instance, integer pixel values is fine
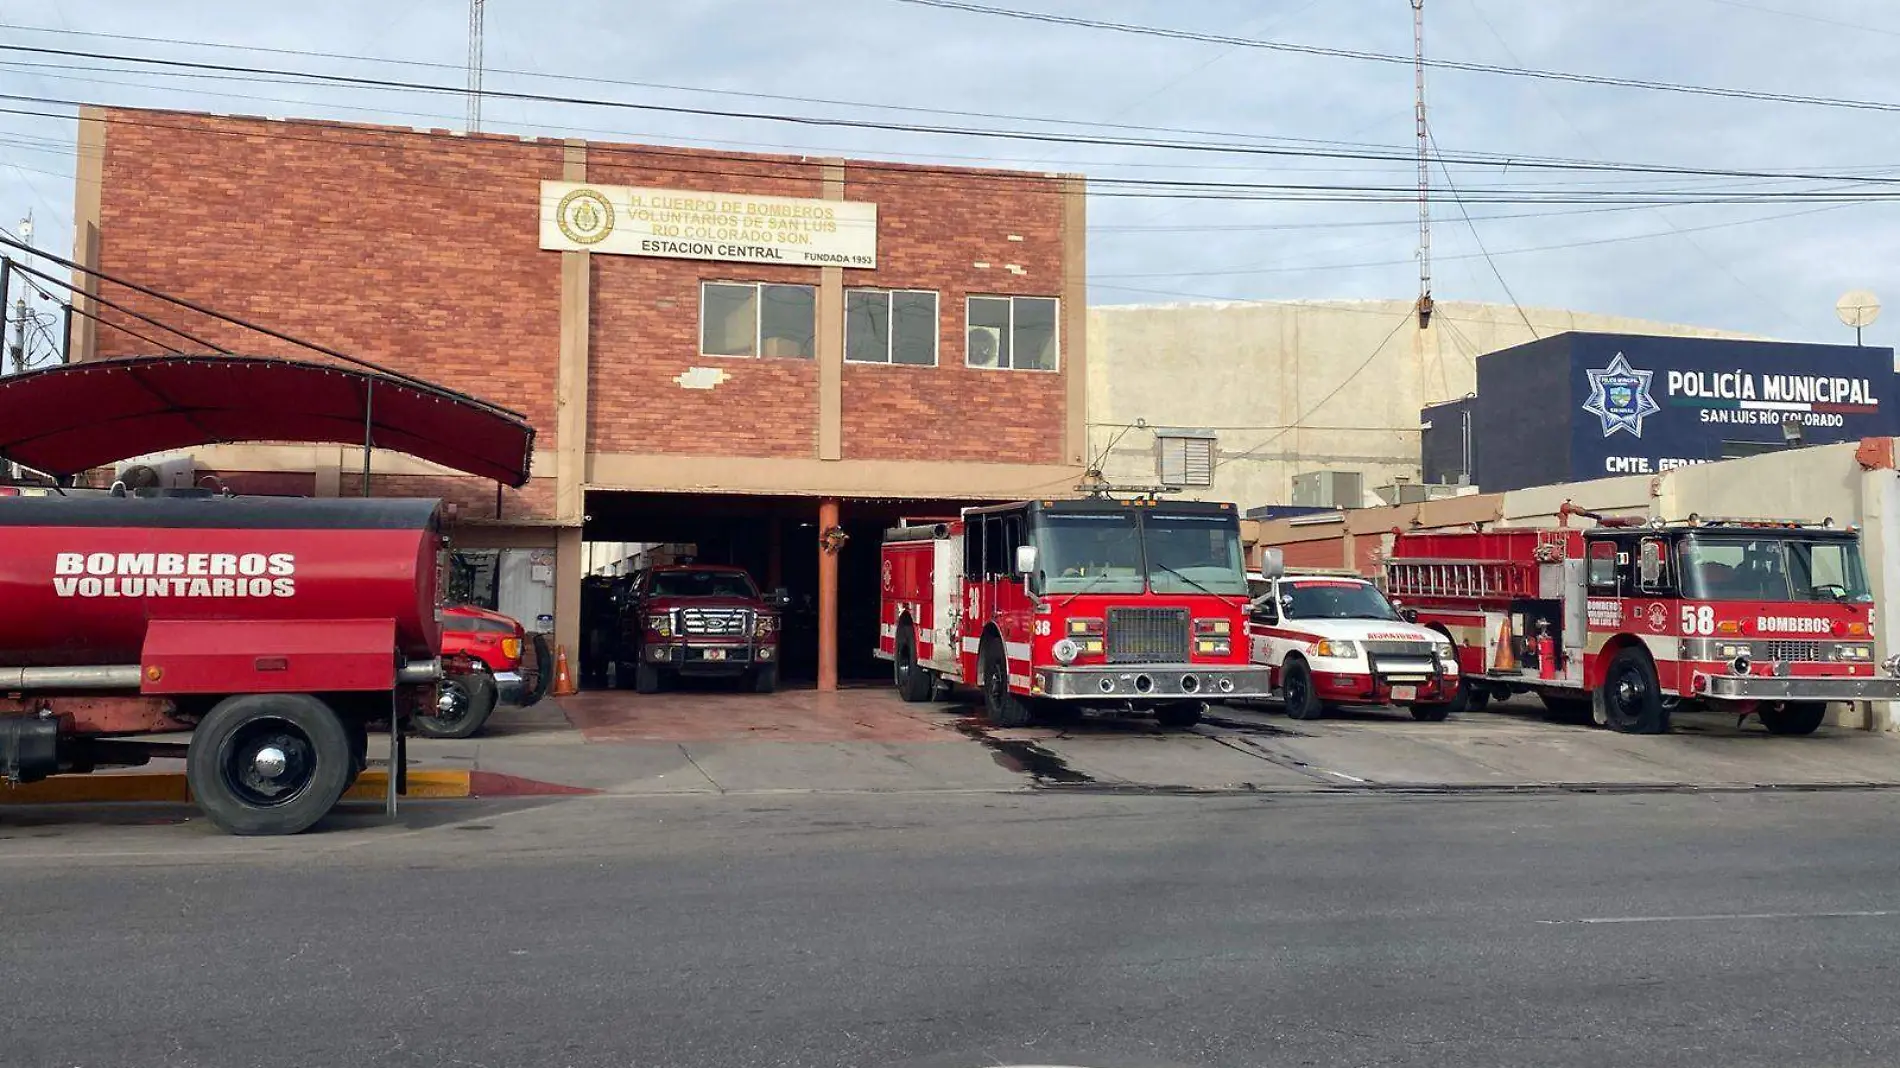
(1217, 147)
(123, 310)
(1384, 57)
(1467, 256)
(1405, 318)
(1479, 240)
(199, 124)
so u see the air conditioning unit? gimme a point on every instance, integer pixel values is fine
(1416, 492)
(1329, 489)
(984, 346)
(165, 474)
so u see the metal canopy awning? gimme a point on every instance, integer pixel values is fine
(70, 419)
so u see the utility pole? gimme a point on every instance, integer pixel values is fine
(475, 14)
(1424, 168)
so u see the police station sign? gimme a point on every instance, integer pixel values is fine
(1650, 404)
(695, 225)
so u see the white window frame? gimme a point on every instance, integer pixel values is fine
(1011, 329)
(890, 342)
(758, 320)
(1186, 442)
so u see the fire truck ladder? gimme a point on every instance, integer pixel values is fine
(1477, 579)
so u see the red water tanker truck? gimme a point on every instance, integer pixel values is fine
(278, 631)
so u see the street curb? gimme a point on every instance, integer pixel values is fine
(169, 787)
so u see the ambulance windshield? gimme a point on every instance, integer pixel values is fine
(1771, 568)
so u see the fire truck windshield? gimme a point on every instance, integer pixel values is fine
(1193, 553)
(1772, 568)
(1130, 552)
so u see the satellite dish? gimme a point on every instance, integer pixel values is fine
(1858, 308)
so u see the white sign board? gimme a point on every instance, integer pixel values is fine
(684, 224)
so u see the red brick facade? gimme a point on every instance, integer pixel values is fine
(420, 251)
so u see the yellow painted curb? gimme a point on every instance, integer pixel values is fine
(169, 787)
(374, 785)
(149, 786)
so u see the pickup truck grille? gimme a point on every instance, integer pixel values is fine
(1791, 650)
(1148, 636)
(1388, 647)
(716, 622)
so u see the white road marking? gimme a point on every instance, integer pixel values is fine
(1732, 917)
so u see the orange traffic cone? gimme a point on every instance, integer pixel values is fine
(563, 680)
(1506, 660)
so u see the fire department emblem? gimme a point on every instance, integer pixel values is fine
(1619, 397)
(1658, 617)
(585, 217)
(887, 575)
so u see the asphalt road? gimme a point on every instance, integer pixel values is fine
(964, 930)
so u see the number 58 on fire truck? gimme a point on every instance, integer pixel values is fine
(1629, 621)
(1050, 607)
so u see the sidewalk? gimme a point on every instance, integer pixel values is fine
(867, 740)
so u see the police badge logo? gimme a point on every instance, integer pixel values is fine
(1619, 397)
(585, 217)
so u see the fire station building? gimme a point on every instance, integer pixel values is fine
(769, 357)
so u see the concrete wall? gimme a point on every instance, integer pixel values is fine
(1289, 387)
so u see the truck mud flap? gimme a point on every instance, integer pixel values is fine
(29, 748)
(541, 679)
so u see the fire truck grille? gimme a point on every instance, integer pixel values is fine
(716, 622)
(1399, 648)
(1148, 636)
(1782, 650)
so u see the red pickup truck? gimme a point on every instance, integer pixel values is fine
(487, 659)
(701, 620)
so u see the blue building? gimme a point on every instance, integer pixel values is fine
(1579, 406)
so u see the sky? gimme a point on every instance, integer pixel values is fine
(1775, 268)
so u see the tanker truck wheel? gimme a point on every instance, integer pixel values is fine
(270, 763)
(462, 706)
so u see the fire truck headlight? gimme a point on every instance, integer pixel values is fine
(663, 626)
(1213, 627)
(1335, 647)
(1066, 651)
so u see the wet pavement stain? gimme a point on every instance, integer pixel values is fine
(1024, 757)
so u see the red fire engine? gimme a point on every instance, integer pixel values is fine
(1629, 621)
(1050, 607)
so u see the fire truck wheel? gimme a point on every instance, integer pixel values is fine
(1298, 692)
(1180, 715)
(1004, 709)
(914, 684)
(1632, 698)
(462, 707)
(1437, 713)
(1472, 697)
(646, 678)
(268, 763)
(1793, 717)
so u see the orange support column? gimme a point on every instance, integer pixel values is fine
(830, 543)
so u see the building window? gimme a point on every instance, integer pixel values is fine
(757, 318)
(1185, 461)
(1012, 332)
(890, 326)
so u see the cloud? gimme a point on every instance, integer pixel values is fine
(1707, 265)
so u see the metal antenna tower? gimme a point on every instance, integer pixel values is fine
(475, 64)
(1424, 169)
